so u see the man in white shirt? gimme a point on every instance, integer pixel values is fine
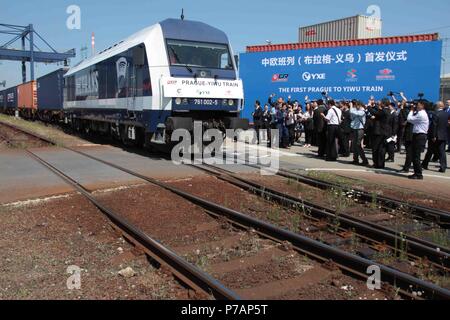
(420, 121)
(333, 119)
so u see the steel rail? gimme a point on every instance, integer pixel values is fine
(186, 272)
(308, 246)
(441, 217)
(437, 254)
(347, 261)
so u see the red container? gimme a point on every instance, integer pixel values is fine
(27, 95)
(343, 43)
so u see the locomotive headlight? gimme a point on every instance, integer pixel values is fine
(231, 102)
(178, 101)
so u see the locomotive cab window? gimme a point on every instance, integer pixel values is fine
(199, 54)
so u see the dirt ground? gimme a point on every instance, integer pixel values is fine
(231, 255)
(46, 130)
(39, 242)
(19, 139)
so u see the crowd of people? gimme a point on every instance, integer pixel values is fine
(350, 127)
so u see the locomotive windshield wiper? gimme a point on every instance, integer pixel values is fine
(177, 58)
(189, 68)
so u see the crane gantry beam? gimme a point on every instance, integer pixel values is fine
(33, 54)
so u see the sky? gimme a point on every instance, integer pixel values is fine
(246, 22)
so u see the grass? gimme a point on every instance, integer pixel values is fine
(36, 127)
(401, 247)
(295, 222)
(274, 215)
(440, 237)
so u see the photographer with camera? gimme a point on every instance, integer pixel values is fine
(402, 116)
(392, 125)
(418, 117)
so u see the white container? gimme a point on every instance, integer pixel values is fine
(357, 27)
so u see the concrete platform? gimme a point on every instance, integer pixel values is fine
(304, 159)
(23, 178)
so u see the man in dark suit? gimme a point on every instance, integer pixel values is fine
(345, 131)
(381, 131)
(258, 118)
(320, 127)
(392, 125)
(438, 137)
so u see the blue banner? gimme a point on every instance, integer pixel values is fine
(355, 72)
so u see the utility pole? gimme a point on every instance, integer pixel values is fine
(93, 43)
(83, 53)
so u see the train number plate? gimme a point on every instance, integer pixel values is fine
(206, 102)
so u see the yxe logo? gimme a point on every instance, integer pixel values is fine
(307, 76)
(352, 75)
(280, 77)
(385, 75)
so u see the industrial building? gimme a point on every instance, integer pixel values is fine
(351, 28)
(445, 87)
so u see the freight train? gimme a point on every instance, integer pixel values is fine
(143, 88)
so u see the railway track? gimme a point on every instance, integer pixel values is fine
(437, 216)
(381, 235)
(347, 262)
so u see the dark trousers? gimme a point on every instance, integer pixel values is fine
(257, 130)
(442, 154)
(431, 151)
(358, 150)
(322, 142)
(408, 159)
(448, 138)
(284, 135)
(309, 136)
(344, 143)
(436, 147)
(291, 130)
(390, 148)
(400, 135)
(418, 146)
(378, 151)
(314, 138)
(332, 135)
(269, 134)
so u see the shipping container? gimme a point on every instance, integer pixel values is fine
(357, 27)
(344, 43)
(11, 98)
(50, 90)
(27, 95)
